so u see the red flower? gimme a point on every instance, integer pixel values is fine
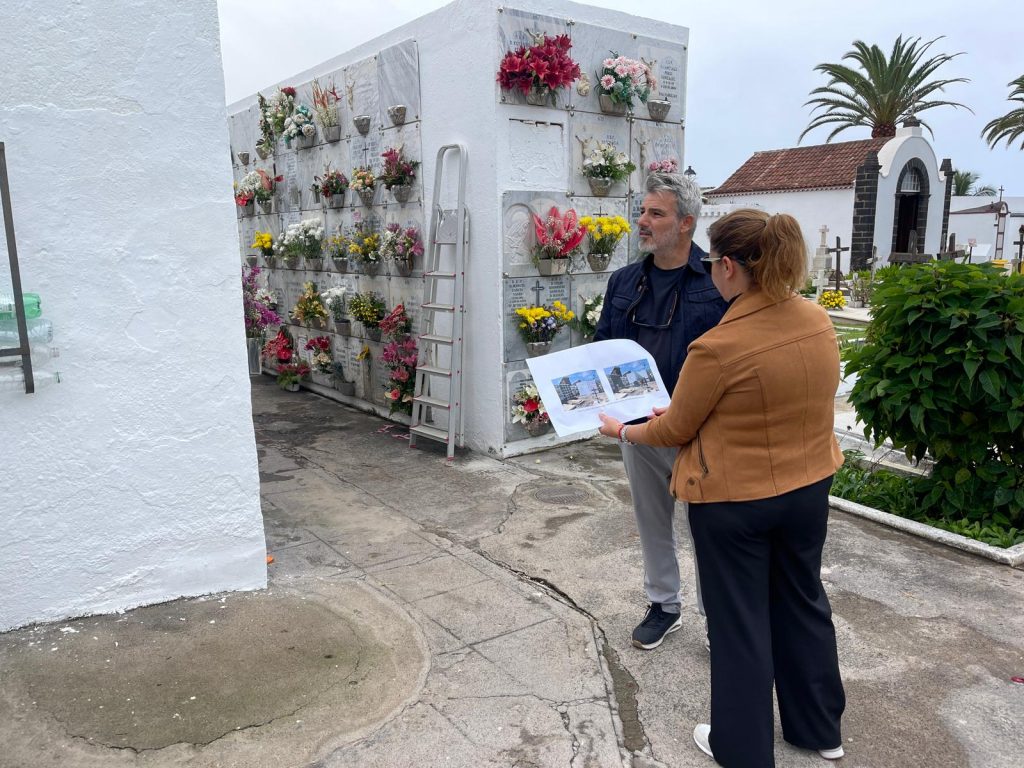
(530, 406)
(288, 91)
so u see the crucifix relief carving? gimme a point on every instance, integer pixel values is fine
(536, 291)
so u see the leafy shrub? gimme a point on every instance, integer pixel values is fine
(941, 372)
(901, 495)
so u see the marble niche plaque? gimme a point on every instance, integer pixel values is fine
(531, 291)
(668, 62)
(537, 153)
(601, 206)
(653, 142)
(523, 28)
(591, 45)
(586, 132)
(362, 95)
(518, 230)
(398, 76)
(583, 287)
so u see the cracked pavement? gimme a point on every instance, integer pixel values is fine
(478, 614)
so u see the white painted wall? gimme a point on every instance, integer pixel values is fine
(832, 207)
(135, 480)
(907, 144)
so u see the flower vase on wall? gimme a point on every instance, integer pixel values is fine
(600, 187)
(366, 196)
(332, 133)
(255, 350)
(598, 261)
(610, 107)
(549, 267)
(397, 114)
(402, 192)
(536, 427)
(537, 348)
(658, 109)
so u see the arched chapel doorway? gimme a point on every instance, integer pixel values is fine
(911, 206)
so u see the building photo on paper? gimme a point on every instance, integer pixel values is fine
(580, 390)
(631, 379)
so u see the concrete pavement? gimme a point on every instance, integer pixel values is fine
(479, 614)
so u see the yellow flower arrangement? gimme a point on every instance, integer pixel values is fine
(310, 307)
(263, 242)
(543, 323)
(604, 232)
(337, 246)
(832, 300)
(364, 247)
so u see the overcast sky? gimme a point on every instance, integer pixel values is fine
(751, 64)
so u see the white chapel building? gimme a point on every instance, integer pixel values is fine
(871, 193)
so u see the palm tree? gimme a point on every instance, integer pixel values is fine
(882, 90)
(964, 183)
(1011, 125)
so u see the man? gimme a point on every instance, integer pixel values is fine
(662, 302)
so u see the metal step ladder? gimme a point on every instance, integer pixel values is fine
(437, 402)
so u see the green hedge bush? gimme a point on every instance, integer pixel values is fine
(941, 372)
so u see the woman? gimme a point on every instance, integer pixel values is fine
(752, 415)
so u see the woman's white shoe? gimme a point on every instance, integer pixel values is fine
(832, 754)
(700, 738)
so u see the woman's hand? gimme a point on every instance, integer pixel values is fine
(609, 426)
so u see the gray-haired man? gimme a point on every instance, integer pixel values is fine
(662, 302)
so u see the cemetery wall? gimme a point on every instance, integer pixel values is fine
(523, 159)
(135, 479)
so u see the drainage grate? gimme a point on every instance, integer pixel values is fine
(561, 494)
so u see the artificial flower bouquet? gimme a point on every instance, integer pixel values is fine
(332, 183)
(585, 323)
(281, 347)
(527, 407)
(363, 246)
(558, 235)
(832, 299)
(368, 308)
(334, 298)
(542, 68)
(302, 239)
(337, 247)
(669, 165)
(263, 242)
(541, 324)
(277, 111)
(604, 233)
(310, 307)
(299, 124)
(363, 178)
(623, 80)
(400, 245)
(245, 190)
(604, 161)
(258, 315)
(398, 171)
(400, 356)
(264, 190)
(289, 376)
(325, 104)
(322, 360)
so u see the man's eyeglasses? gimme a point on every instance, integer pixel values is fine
(709, 260)
(631, 312)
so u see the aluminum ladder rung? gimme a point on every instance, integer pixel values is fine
(433, 370)
(433, 338)
(427, 431)
(439, 307)
(440, 275)
(433, 402)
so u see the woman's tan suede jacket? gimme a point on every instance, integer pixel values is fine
(753, 409)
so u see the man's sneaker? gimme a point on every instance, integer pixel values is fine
(832, 754)
(656, 624)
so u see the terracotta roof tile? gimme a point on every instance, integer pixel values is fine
(822, 165)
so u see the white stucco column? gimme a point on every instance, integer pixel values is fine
(135, 480)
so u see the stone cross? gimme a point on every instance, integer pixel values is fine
(537, 289)
(838, 251)
(823, 231)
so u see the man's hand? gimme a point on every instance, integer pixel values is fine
(656, 411)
